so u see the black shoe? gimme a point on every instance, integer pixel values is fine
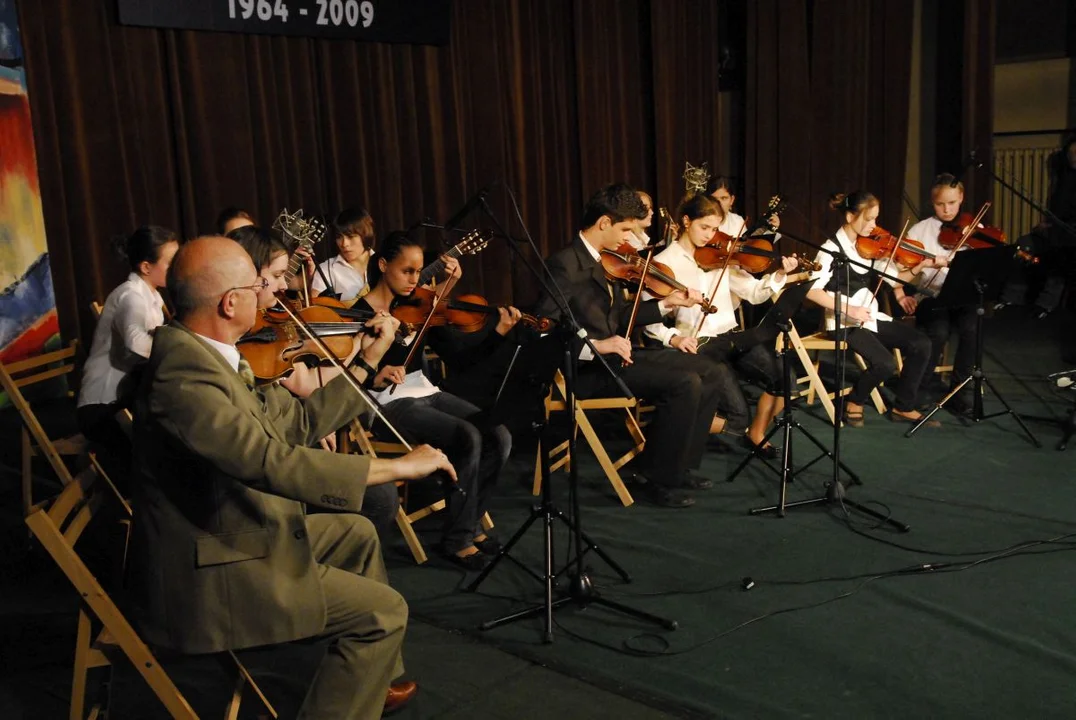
(692, 481)
(474, 562)
(769, 451)
(664, 496)
(489, 546)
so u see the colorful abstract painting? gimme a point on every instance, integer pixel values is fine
(28, 321)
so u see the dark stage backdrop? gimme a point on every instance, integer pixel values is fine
(552, 97)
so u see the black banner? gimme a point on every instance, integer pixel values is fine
(420, 22)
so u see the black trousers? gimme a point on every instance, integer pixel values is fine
(939, 323)
(99, 425)
(477, 452)
(684, 390)
(877, 351)
(753, 355)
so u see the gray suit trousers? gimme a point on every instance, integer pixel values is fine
(365, 621)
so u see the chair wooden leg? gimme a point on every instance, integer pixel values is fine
(816, 387)
(27, 473)
(876, 397)
(232, 665)
(410, 537)
(103, 608)
(78, 681)
(603, 459)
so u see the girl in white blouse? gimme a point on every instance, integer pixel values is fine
(123, 338)
(751, 353)
(353, 231)
(870, 333)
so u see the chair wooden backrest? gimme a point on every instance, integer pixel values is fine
(57, 525)
(559, 456)
(367, 445)
(17, 375)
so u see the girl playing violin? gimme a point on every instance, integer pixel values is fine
(423, 413)
(946, 196)
(353, 232)
(269, 254)
(123, 339)
(753, 354)
(871, 334)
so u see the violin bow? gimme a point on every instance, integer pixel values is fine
(336, 362)
(968, 232)
(717, 283)
(445, 289)
(888, 263)
(639, 293)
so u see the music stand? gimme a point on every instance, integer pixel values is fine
(780, 315)
(545, 356)
(976, 278)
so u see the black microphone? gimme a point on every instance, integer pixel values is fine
(972, 161)
(477, 199)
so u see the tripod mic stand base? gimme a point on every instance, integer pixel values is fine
(835, 494)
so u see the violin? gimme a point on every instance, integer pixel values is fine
(880, 244)
(273, 346)
(755, 255)
(982, 237)
(466, 313)
(626, 266)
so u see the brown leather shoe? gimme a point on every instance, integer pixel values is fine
(399, 695)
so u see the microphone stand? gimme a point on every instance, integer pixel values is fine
(581, 591)
(835, 491)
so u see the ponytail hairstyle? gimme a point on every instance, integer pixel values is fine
(143, 245)
(854, 203)
(698, 206)
(391, 248)
(262, 245)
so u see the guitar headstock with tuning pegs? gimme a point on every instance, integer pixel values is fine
(302, 233)
(775, 206)
(472, 243)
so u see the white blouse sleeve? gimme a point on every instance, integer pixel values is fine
(135, 322)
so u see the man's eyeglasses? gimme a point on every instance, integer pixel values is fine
(256, 287)
(259, 285)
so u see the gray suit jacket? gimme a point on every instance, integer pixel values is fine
(221, 558)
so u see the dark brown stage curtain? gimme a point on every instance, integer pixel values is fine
(827, 105)
(551, 98)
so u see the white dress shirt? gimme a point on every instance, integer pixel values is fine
(861, 298)
(345, 279)
(122, 340)
(733, 225)
(229, 352)
(735, 284)
(927, 232)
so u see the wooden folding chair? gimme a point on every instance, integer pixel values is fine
(57, 526)
(34, 441)
(803, 346)
(609, 466)
(404, 519)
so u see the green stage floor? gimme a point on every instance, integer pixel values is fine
(830, 628)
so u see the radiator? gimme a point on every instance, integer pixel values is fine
(1026, 169)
